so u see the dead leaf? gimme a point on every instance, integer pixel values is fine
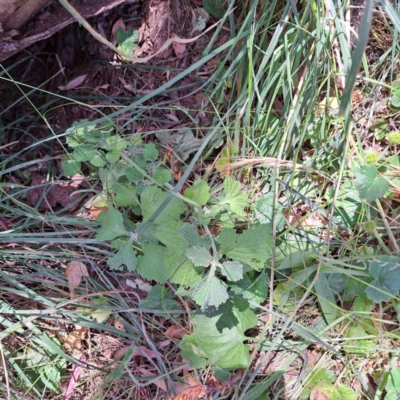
(142, 351)
(74, 272)
(175, 332)
(61, 193)
(179, 48)
(160, 383)
(356, 97)
(196, 392)
(74, 83)
(121, 352)
(103, 87)
(129, 87)
(118, 24)
(95, 211)
(119, 325)
(164, 343)
(75, 338)
(77, 180)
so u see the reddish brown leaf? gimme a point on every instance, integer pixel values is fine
(74, 272)
(175, 332)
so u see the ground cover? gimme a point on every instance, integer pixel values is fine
(220, 221)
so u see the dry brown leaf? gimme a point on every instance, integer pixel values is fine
(193, 393)
(160, 383)
(95, 211)
(103, 87)
(128, 86)
(356, 97)
(74, 83)
(119, 325)
(118, 24)
(77, 180)
(142, 351)
(74, 272)
(121, 352)
(175, 332)
(179, 48)
(75, 338)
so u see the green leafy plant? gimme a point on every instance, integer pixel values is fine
(43, 369)
(216, 8)
(370, 185)
(393, 385)
(396, 94)
(127, 40)
(216, 272)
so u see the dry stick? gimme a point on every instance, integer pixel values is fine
(104, 41)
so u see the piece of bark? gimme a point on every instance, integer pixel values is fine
(15, 13)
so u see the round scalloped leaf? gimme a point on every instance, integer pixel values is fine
(150, 153)
(386, 273)
(70, 167)
(162, 176)
(370, 185)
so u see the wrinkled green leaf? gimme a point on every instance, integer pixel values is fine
(101, 313)
(255, 291)
(322, 375)
(210, 292)
(70, 167)
(125, 195)
(41, 367)
(191, 237)
(151, 199)
(192, 353)
(162, 176)
(199, 256)
(84, 152)
(151, 264)
(133, 175)
(150, 153)
(232, 270)
(360, 345)
(362, 307)
(112, 226)
(199, 192)
(327, 391)
(216, 8)
(125, 256)
(224, 345)
(113, 156)
(235, 197)
(396, 94)
(264, 211)
(252, 247)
